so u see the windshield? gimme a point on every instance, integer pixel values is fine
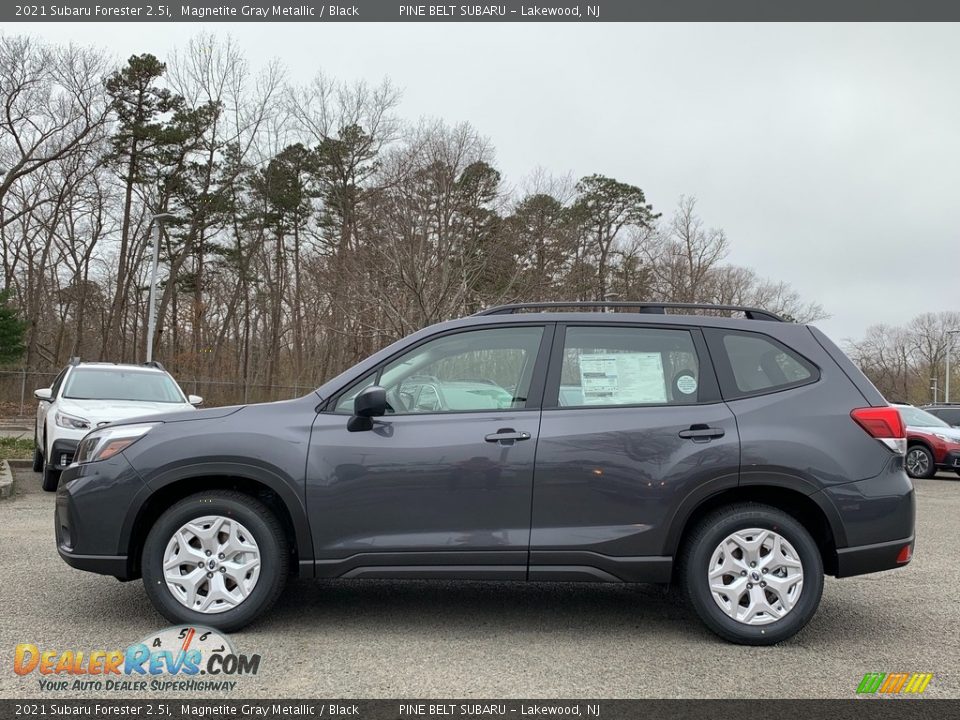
(918, 418)
(113, 384)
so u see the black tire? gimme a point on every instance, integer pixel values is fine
(266, 531)
(931, 468)
(37, 458)
(695, 562)
(51, 477)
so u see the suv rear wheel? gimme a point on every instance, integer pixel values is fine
(217, 558)
(752, 573)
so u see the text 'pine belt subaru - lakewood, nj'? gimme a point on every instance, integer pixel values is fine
(742, 458)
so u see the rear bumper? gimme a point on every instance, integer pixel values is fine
(877, 517)
(865, 559)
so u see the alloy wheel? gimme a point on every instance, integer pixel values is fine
(755, 576)
(918, 462)
(211, 564)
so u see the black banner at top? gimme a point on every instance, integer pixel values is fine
(509, 11)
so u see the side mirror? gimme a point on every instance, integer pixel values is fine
(42, 394)
(369, 403)
(194, 399)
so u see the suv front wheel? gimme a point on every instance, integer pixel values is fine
(50, 479)
(217, 558)
(752, 573)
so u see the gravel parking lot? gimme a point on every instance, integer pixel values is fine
(442, 640)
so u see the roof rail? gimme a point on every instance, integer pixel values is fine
(652, 308)
(154, 364)
(75, 360)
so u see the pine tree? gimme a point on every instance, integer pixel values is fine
(12, 331)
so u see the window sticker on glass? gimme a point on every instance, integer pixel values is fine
(686, 383)
(622, 378)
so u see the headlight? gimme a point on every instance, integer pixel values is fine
(946, 438)
(71, 422)
(105, 443)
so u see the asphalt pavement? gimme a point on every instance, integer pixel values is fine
(370, 639)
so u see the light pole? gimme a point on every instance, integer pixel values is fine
(946, 390)
(152, 311)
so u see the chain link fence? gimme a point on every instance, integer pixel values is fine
(17, 386)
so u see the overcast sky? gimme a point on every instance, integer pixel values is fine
(828, 153)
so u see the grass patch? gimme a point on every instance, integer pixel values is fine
(16, 448)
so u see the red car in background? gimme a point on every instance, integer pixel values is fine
(932, 444)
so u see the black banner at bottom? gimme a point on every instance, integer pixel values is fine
(187, 709)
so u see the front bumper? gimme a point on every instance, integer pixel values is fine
(951, 461)
(115, 565)
(92, 520)
(62, 451)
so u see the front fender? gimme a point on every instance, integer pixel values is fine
(267, 477)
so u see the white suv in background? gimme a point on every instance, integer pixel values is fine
(88, 395)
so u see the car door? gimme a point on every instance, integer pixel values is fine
(441, 486)
(633, 430)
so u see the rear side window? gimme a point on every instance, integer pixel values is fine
(756, 364)
(950, 416)
(604, 366)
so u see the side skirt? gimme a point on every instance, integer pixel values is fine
(544, 566)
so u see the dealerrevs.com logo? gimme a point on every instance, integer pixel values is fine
(180, 658)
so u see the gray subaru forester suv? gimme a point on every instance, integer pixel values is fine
(742, 458)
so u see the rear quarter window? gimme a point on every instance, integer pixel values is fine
(755, 364)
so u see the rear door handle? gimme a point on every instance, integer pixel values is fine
(701, 433)
(507, 436)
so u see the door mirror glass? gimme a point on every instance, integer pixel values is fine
(369, 403)
(43, 394)
(195, 399)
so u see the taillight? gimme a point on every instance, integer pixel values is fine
(885, 424)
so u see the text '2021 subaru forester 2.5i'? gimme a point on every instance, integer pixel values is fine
(742, 458)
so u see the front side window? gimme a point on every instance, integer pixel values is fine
(345, 403)
(628, 366)
(58, 381)
(114, 384)
(468, 371)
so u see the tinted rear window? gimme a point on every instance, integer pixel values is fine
(754, 364)
(950, 416)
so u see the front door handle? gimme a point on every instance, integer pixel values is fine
(507, 436)
(701, 433)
